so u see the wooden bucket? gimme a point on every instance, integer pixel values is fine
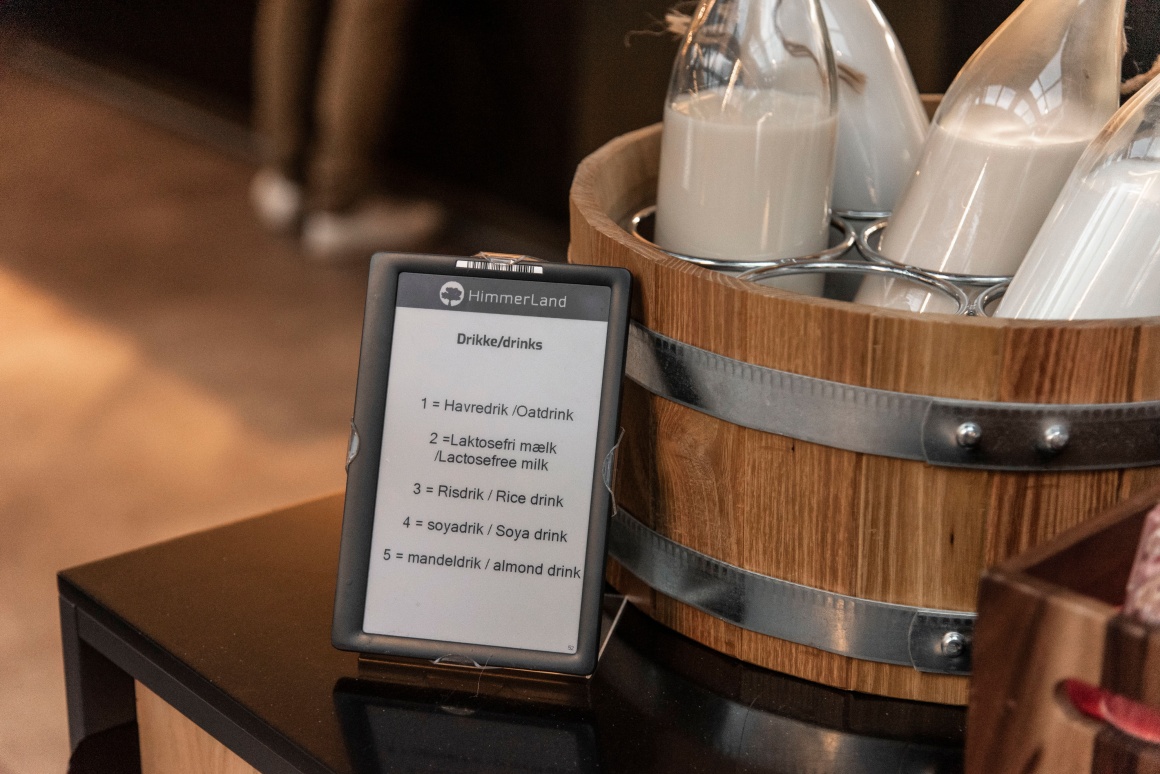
(780, 551)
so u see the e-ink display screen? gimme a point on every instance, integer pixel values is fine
(486, 474)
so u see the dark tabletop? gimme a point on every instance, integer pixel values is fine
(240, 617)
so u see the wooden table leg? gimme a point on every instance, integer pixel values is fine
(173, 744)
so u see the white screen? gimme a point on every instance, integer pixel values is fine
(487, 554)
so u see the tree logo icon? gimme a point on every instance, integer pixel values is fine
(451, 294)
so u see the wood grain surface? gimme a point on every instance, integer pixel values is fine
(1050, 615)
(1033, 637)
(1117, 753)
(171, 743)
(875, 527)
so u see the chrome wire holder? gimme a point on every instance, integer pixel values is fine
(987, 297)
(841, 247)
(806, 266)
(869, 250)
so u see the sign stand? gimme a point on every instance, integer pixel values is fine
(520, 685)
(476, 515)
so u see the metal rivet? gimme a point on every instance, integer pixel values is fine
(953, 644)
(968, 434)
(1055, 438)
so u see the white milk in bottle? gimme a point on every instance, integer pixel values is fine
(1098, 255)
(881, 121)
(975, 207)
(1002, 144)
(750, 132)
(738, 183)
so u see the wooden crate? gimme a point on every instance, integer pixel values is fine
(1053, 614)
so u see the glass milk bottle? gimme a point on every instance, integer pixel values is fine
(1098, 253)
(881, 121)
(1004, 140)
(750, 129)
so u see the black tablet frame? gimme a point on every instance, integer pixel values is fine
(363, 466)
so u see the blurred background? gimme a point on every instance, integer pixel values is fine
(166, 364)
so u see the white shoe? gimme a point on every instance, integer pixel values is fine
(277, 200)
(376, 224)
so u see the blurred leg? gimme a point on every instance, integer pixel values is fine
(288, 35)
(356, 83)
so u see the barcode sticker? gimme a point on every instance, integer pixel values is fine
(516, 267)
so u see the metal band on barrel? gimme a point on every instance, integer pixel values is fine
(928, 640)
(958, 433)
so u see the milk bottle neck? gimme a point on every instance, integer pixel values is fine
(737, 47)
(1053, 66)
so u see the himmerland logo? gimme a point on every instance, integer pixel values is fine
(451, 294)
